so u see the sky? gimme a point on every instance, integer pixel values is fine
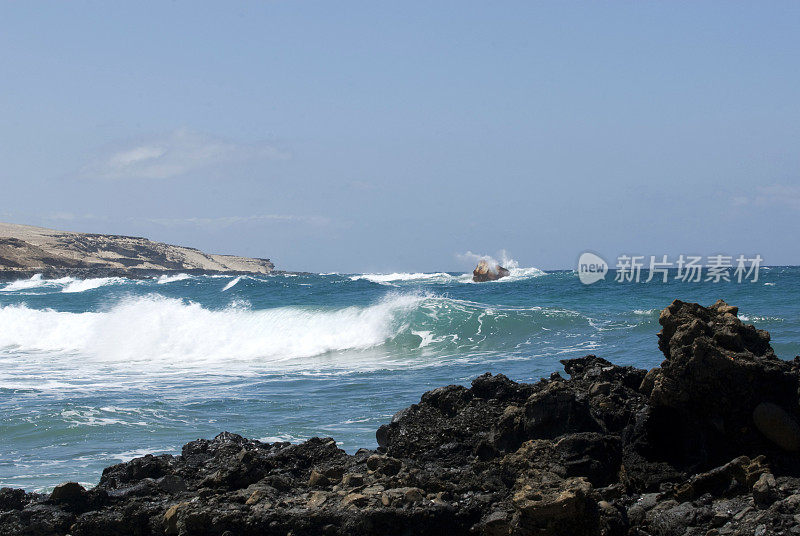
(399, 136)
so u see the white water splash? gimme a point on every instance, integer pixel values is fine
(170, 332)
(232, 283)
(517, 273)
(82, 285)
(165, 279)
(66, 284)
(36, 281)
(437, 277)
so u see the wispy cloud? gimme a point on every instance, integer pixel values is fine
(227, 221)
(771, 196)
(173, 155)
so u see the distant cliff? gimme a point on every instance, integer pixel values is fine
(25, 249)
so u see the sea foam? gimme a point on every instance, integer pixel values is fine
(397, 278)
(66, 284)
(167, 331)
(165, 279)
(232, 283)
(82, 285)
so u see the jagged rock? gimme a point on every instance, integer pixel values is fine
(384, 464)
(487, 272)
(352, 480)
(317, 499)
(497, 523)
(12, 499)
(318, 479)
(717, 371)
(256, 496)
(566, 509)
(355, 499)
(68, 492)
(764, 492)
(171, 518)
(737, 475)
(695, 447)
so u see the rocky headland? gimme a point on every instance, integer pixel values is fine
(27, 250)
(707, 444)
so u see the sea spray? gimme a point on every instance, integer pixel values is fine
(232, 283)
(168, 331)
(166, 279)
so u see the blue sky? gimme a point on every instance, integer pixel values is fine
(376, 136)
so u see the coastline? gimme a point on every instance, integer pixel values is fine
(130, 273)
(26, 249)
(705, 444)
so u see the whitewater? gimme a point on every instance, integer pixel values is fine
(101, 370)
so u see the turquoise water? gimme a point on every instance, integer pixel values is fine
(94, 372)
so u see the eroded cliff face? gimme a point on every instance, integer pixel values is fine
(25, 249)
(707, 444)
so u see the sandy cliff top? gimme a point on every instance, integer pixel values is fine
(24, 247)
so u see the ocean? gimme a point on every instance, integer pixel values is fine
(99, 371)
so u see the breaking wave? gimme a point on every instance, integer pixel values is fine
(168, 330)
(176, 333)
(65, 284)
(397, 278)
(82, 285)
(165, 279)
(232, 283)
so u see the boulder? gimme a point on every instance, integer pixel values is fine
(68, 492)
(722, 379)
(488, 272)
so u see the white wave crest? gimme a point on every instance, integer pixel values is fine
(67, 284)
(438, 277)
(24, 284)
(521, 273)
(232, 283)
(164, 279)
(171, 332)
(517, 273)
(36, 281)
(395, 279)
(82, 285)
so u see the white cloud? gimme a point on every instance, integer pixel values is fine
(771, 196)
(175, 154)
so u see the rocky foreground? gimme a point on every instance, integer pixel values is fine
(707, 444)
(26, 250)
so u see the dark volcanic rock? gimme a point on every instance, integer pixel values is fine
(723, 380)
(705, 445)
